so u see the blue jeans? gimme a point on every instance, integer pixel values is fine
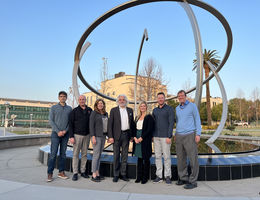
(57, 141)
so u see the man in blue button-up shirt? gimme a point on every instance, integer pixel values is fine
(188, 130)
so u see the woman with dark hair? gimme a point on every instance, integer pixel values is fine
(98, 130)
(142, 147)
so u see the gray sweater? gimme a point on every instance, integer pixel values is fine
(59, 117)
(164, 121)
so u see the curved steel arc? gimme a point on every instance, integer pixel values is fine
(75, 72)
(199, 53)
(145, 37)
(133, 3)
(224, 106)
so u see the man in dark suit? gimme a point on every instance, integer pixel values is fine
(120, 128)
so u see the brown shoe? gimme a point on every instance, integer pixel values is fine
(62, 175)
(49, 179)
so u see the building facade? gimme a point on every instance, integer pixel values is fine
(25, 112)
(147, 89)
(213, 101)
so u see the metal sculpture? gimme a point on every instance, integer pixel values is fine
(81, 48)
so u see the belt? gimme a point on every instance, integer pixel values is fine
(125, 131)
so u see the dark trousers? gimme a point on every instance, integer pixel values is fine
(186, 147)
(143, 169)
(57, 141)
(123, 142)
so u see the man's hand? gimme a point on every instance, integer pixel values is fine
(110, 140)
(72, 140)
(60, 133)
(94, 141)
(136, 140)
(168, 140)
(197, 139)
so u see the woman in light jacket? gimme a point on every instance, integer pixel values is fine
(98, 130)
(142, 147)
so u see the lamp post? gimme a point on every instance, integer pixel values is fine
(3, 120)
(7, 104)
(144, 37)
(229, 114)
(31, 123)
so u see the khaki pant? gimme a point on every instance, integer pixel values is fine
(81, 145)
(162, 148)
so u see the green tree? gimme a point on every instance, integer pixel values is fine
(203, 113)
(173, 104)
(208, 55)
(217, 112)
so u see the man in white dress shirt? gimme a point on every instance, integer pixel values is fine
(120, 128)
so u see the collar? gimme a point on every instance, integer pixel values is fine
(162, 106)
(121, 108)
(82, 108)
(62, 105)
(185, 103)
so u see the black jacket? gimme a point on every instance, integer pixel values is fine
(114, 123)
(147, 134)
(79, 121)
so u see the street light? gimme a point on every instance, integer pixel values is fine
(7, 104)
(31, 123)
(3, 120)
(145, 37)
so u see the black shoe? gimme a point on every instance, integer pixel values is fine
(190, 185)
(115, 179)
(101, 178)
(84, 175)
(180, 182)
(144, 181)
(138, 180)
(124, 178)
(75, 177)
(96, 179)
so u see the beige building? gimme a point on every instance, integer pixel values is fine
(213, 101)
(124, 84)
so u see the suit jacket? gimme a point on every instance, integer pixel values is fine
(114, 123)
(147, 134)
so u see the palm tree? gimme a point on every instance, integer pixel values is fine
(210, 55)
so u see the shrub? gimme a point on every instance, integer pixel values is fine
(231, 127)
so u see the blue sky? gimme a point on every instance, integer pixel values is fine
(38, 41)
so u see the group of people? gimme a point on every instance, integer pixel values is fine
(82, 125)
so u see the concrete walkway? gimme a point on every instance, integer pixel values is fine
(22, 176)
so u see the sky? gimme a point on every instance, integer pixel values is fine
(38, 41)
